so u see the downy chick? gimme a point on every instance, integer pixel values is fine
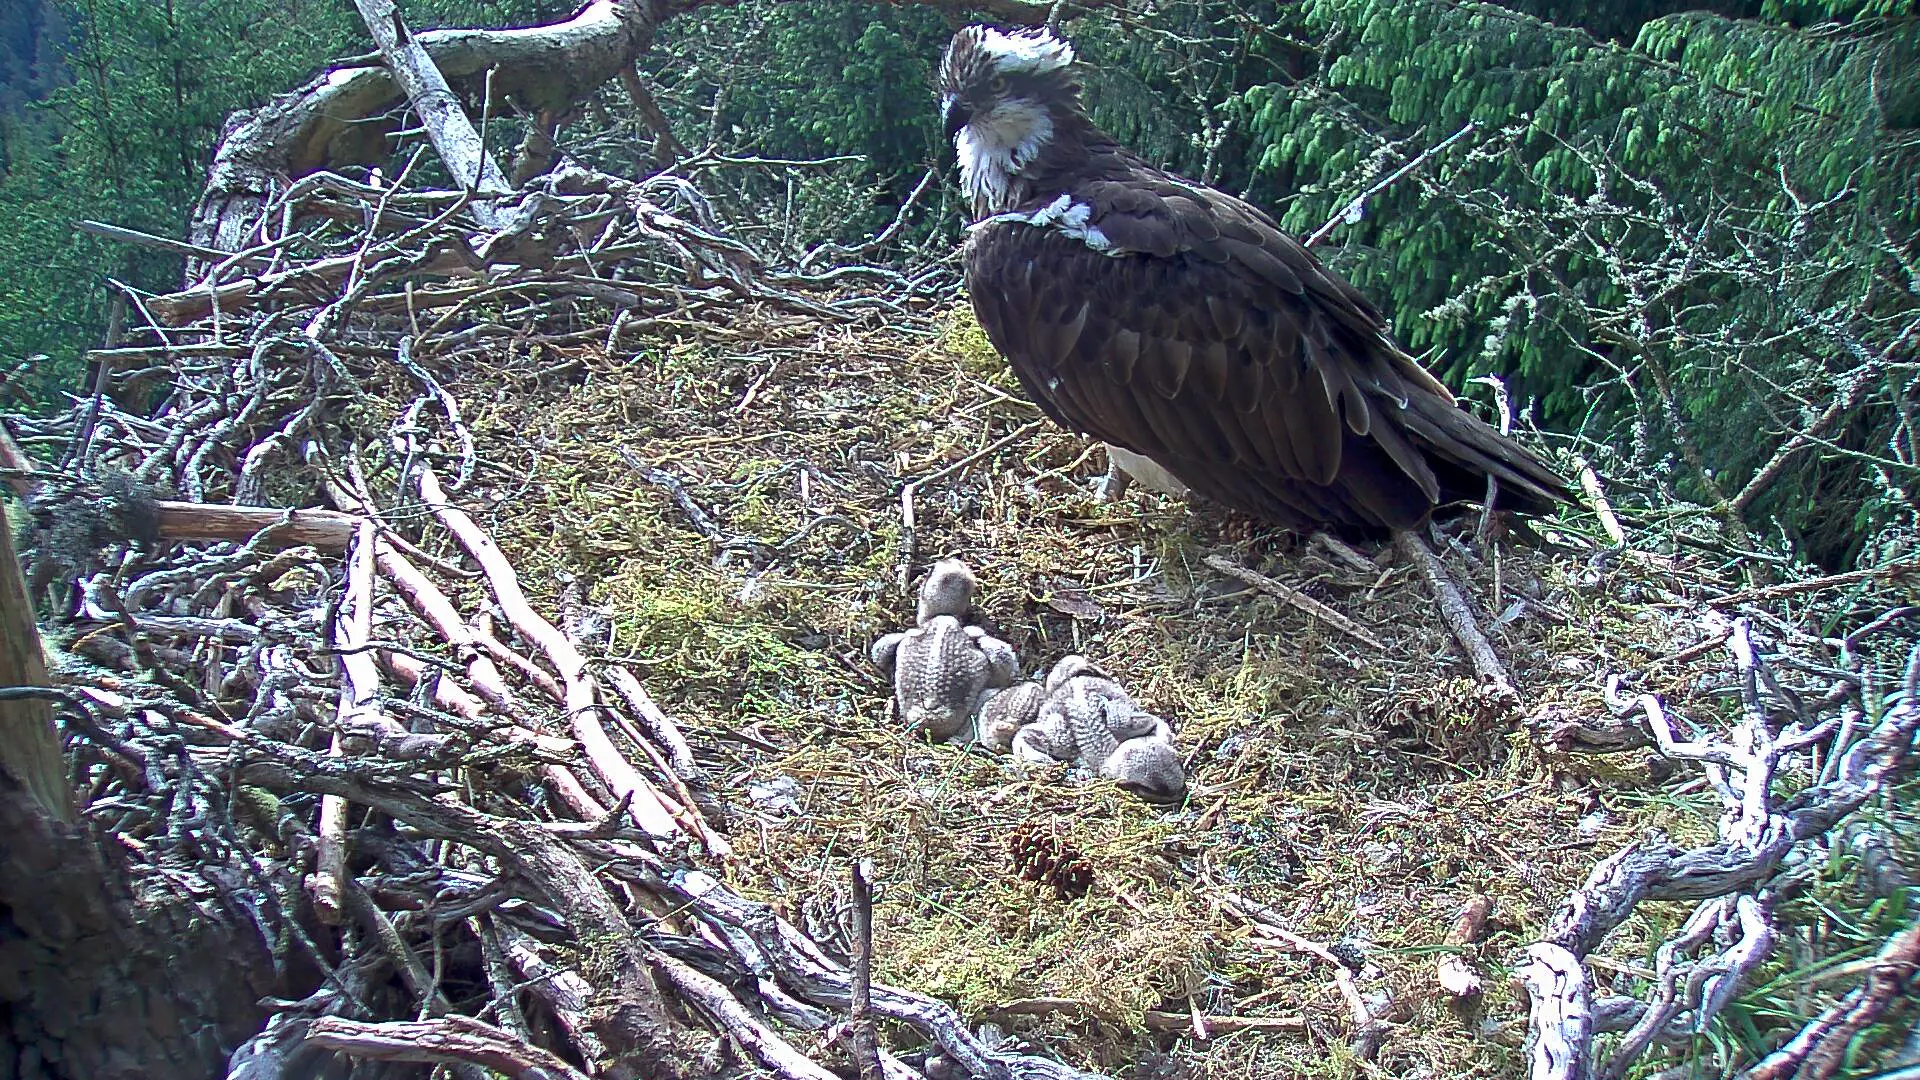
(941, 667)
(1089, 719)
(1001, 713)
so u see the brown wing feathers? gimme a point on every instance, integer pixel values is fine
(1217, 346)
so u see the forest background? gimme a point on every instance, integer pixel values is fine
(1667, 226)
(1680, 242)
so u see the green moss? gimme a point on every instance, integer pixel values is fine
(1362, 792)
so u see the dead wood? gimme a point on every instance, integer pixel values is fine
(1487, 665)
(560, 837)
(447, 127)
(29, 746)
(1294, 598)
(451, 1038)
(345, 116)
(1823, 1047)
(1730, 932)
(866, 1051)
(1457, 974)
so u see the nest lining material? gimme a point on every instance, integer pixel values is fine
(1364, 794)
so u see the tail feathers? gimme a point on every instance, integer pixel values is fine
(1474, 450)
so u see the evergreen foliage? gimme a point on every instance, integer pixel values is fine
(1674, 243)
(842, 82)
(121, 129)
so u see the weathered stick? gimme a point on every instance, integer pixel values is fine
(359, 708)
(1152, 1019)
(866, 1051)
(446, 123)
(1456, 974)
(359, 685)
(564, 991)
(15, 462)
(648, 808)
(659, 726)
(449, 1038)
(483, 635)
(1295, 598)
(765, 1044)
(163, 243)
(1358, 204)
(1590, 483)
(1220, 1025)
(1756, 838)
(1889, 571)
(1559, 1022)
(1458, 615)
(327, 530)
(324, 275)
(693, 820)
(328, 883)
(433, 605)
(1821, 1048)
(409, 671)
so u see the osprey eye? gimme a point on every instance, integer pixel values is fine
(997, 85)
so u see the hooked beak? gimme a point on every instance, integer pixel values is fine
(954, 115)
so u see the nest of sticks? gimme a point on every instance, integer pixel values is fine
(484, 612)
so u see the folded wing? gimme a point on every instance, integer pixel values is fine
(1183, 324)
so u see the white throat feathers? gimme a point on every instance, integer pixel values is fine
(995, 146)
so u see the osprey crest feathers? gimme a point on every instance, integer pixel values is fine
(1183, 324)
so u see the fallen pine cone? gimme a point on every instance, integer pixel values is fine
(1043, 857)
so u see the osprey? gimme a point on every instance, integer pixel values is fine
(1182, 324)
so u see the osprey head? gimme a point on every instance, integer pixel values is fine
(1003, 97)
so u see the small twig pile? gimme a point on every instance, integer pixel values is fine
(497, 851)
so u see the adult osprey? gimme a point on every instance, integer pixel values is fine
(1181, 323)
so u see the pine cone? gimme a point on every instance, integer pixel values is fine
(1043, 857)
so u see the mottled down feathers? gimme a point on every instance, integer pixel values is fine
(940, 667)
(952, 679)
(1183, 324)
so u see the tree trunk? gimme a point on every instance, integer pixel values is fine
(336, 119)
(345, 116)
(95, 984)
(29, 747)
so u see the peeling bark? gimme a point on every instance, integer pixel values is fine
(336, 119)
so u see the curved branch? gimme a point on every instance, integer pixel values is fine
(346, 115)
(337, 119)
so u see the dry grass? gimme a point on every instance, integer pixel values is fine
(1359, 793)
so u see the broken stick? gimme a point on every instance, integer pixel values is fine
(1458, 615)
(1295, 598)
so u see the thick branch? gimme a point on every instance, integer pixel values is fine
(344, 117)
(29, 746)
(1459, 616)
(337, 119)
(449, 1038)
(446, 123)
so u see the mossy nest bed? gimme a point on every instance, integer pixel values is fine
(1363, 794)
